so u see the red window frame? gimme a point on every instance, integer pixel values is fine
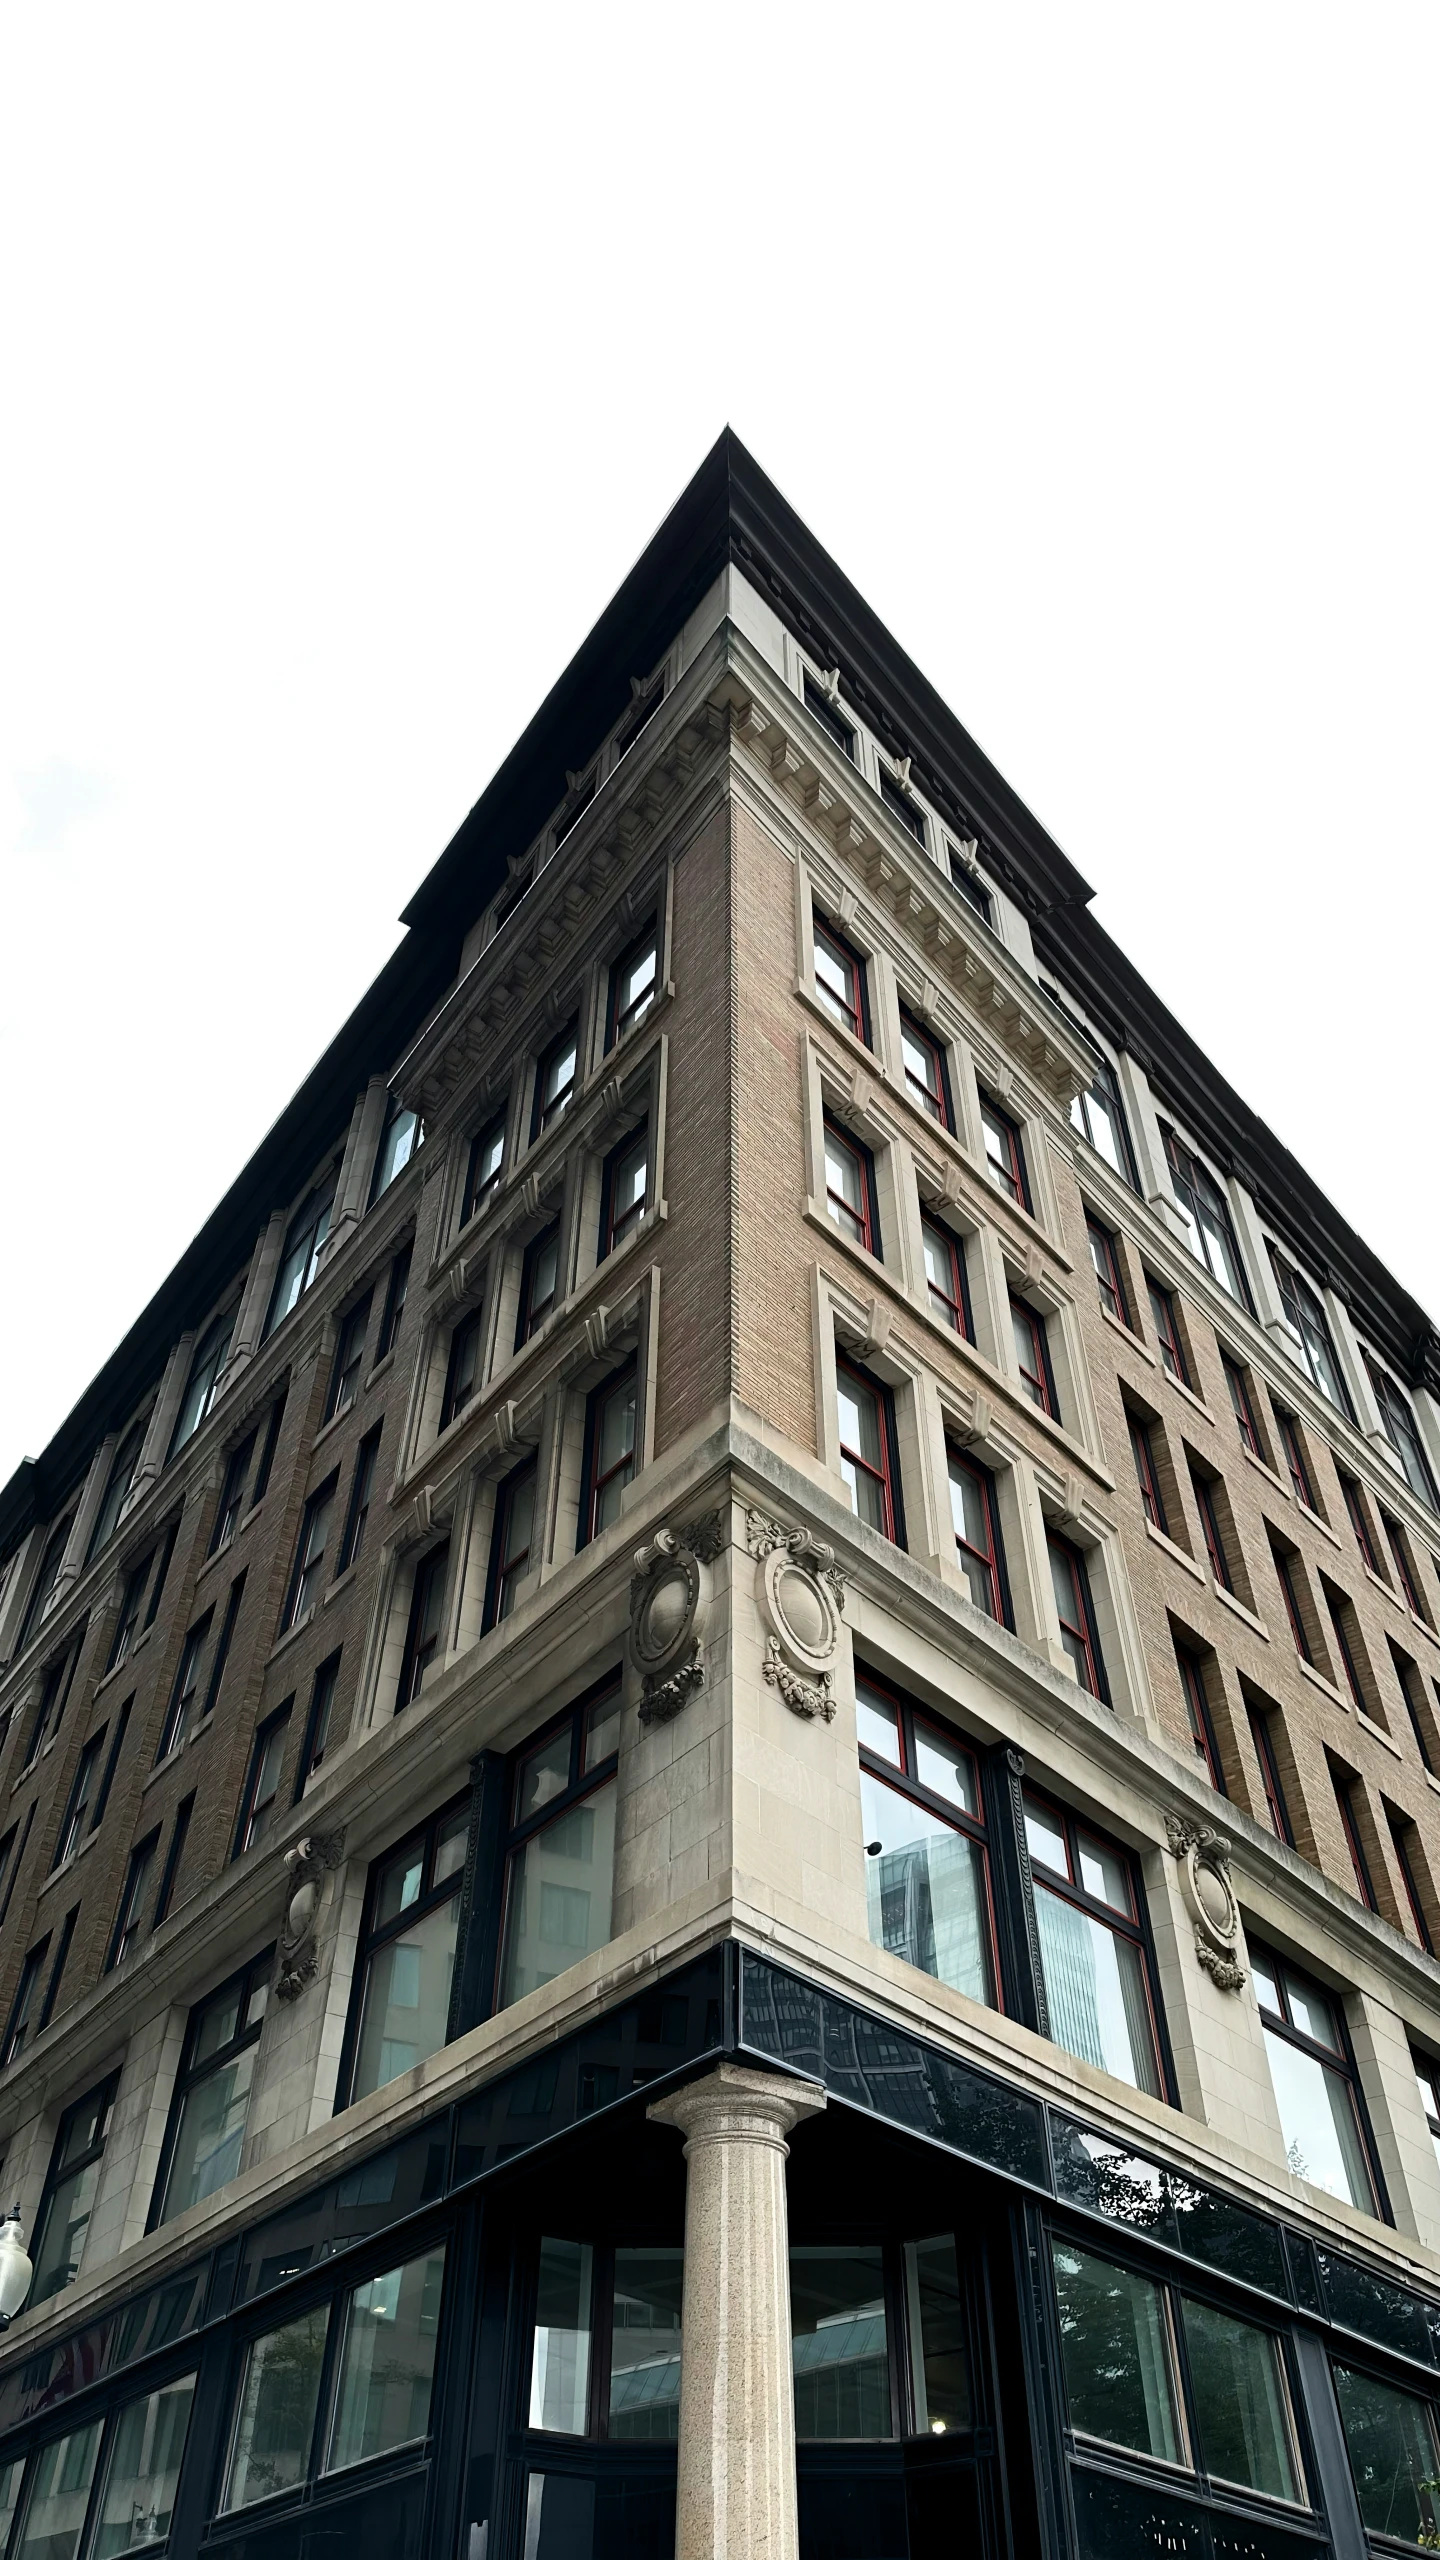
(1291, 1443)
(953, 1310)
(1399, 1824)
(1151, 1498)
(932, 1099)
(1106, 1263)
(901, 1776)
(1344, 1785)
(1355, 1512)
(1336, 1606)
(852, 1017)
(1285, 1576)
(1081, 1622)
(594, 1482)
(1008, 1176)
(1244, 1410)
(1407, 1579)
(862, 1227)
(987, 1558)
(1274, 1793)
(1038, 1379)
(1197, 1708)
(1172, 1349)
(614, 1230)
(1211, 1532)
(884, 1475)
(1070, 1888)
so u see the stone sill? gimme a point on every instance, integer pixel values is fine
(1176, 1553)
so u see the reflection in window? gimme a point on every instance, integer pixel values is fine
(560, 2365)
(1313, 2078)
(387, 2362)
(402, 1135)
(408, 1952)
(633, 985)
(1092, 1956)
(69, 2199)
(204, 1378)
(1118, 2355)
(645, 2345)
(1099, 1115)
(59, 2494)
(212, 2096)
(864, 1429)
(511, 1543)
(300, 1259)
(142, 2473)
(926, 1881)
(842, 2366)
(1242, 2413)
(939, 2354)
(1206, 1213)
(1391, 2440)
(275, 2420)
(609, 1452)
(561, 1853)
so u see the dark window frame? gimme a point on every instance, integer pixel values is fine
(1135, 1925)
(100, 2101)
(309, 1227)
(1109, 1096)
(251, 1803)
(1203, 1200)
(615, 1231)
(905, 1783)
(1042, 1375)
(1242, 1404)
(527, 1320)
(498, 1572)
(1083, 1627)
(324, 1682)
(1305, 1315)
(1353, 1496)
(397, 1285)
(1271, 1783)
(1403, 1830)
(1212, 1530)
(396, 1111)
(1285, 1560)
(1167, 1331)
(420, 1650)
(231, 1507)
(480, 1186)
(21, 2022)
(822, 707)
(967, 884)
(1409, 1586)
(129, 1915)
(1292, 1448)
(347, 1367)
(77, 1802)
(206, 1362)
(318, 1505)
(245, 1981)
(466, 1337)
(592, 1485)
(1343, 1783)
(901, 805)
(1152, 1499)
(375, 1935)
(618, 1023)
(547, 1114)
(1402, 1431)
(357, 1509)
(582, 1783)
(1341, 2061)
(185, 1686)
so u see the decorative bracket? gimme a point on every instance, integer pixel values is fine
(1204, 1859)
(800, 1593)
(308, 1863)
(670, 1603)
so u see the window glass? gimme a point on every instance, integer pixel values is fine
(842, 2368)
(275, 2419)
(210, 2133)
(645, 2345)
(1317, 2120)
(845, 1188)
(627, 1185)
(838, 981)
(632, 989)
(1103, 1873)
(143, 2471)
(543, 1775)
(556, 1081)
(1095, 1993)
(944, 1277)
(1390, 2438)
(515, 1529)
(1045, 1837)
(1099, 1116)
(939, 2354)
(406, 2011)
(612, 1452)
(59, 2494)
(924, 1075)
(122, 1475)
(862, 1449)
(11, 2475)
(972, 1519)
(559, 1895)
(1119, 2361)
(200, 1386)
(945, 1767)
(1002, 1152)
(397, 1146)
(300, 1260)
(602, 1729)
(877, 1723)
(75, 2173)
(1242, 2413)
(925, 1889)
(387, 2362)
(560, 2367)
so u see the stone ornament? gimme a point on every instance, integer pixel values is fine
(1205, 1871)
(308, 1864)
(800, 1592)
(670, 1603)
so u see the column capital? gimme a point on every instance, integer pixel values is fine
(732, 2104)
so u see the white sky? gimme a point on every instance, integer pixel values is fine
(351, 356)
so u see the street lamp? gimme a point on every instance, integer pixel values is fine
(16, 2272)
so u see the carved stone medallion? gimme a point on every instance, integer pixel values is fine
(670, 1603)
(308, 1864)
(799, 1590)
(1205, 1873)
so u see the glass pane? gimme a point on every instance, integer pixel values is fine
(1115, 2344)
(143, 2471)
(1095, 1993)
(543, 1776)
(560, 1885)
(450, 1841)
(1262, 1973)
(877, 1723)
(210, 2133)
(276, 2416)
(58, 2260)
(842, 1174)
(1242, 2415)
(602, 1730)
(944, 1766)
(969, 1512)
(842, 2370)
(1045, 1837)
(59, 2495)
(939, 1269)
(939, 2357)
(925, 1891)
(1317, 2119)
(1103, 1872)
(835, 982)
(407, 1999)
(1390, 2437)
(11, 2475)
(645, 2344)
(400, 1880)
(560, 2371)
(387, 2362)
(219, 2024)
(1311, 2012)
(519, 1519)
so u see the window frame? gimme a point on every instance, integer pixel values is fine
(1242, 1405)
(244, 1982)
(1167, 1331)
(324, 1682)
(1212, 1530)
(613, 1231)
(935, 1101)
(1271, 1784)
(78, 1800)
(478, 1192)
(547, 1114)
(1339, 2059)
(206, 1361)
(309, 1227)
(374, 1936)
(993, 1564)
(390, 1165)
(123, 1469)
(888, 1475)
(1353, 1498)
(134, 1893)
(583, 1782)
(347, 1367)
(527, 1321)
(1285, 1561)
(963, 1322)
(1402, 1433)
(397, 1284)
(1109, 1281)
(22, 2022)
(618, 1024)
(904, 1782)
(903, 807)
(867, 1217)
(319, 1507)
(1135, 1927)
(1083, 1628)
(185, 1686)
(854, 1020)
(1343, 1783)
(100, 2098)
(1109, 1099)
(593, 1486)
(231, 1508)
(420, 1651)
(826, 710)
(1152, 1499)
(1202, 1201)
(1396, 1541)
(1042, 1376)
(252, 1804)
(1306, 1320)
(466, 1335)
(499, 1602)
(997, 1122)
(1292, 1449)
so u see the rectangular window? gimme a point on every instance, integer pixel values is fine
(124, 1467)
(1105, 1261)
(206, 2132)
(425, 1629)
(396, 1287)
(1306, 1318)
(1354, 1501)
(362, 1489)
(232, 1494)
(275, 2415)
(1289, 1574)
(186, 1688)
(70, 2188)
(850, 1188)
(315, 1530)
(539, 1281)
(927, 1874)
(1146, 1476)
(300, 1259)
(824, 708)
(273, 1420)
(1197, 1710)
(130, 1920)
(25, 2007)
(1403, 1433)
(206, 1362)
(866, 1428)
(977, 1534)
(624, 1189)
(1314, 2079)
(946, 1281)
(578, 2340)
(1410, 1861)
(462, 1369)
(54, 1698)
(385, 2367)
(1241, 1405)
(1263, 1724)
(1099, 1115)
(1348, 1804)
(1071, 1585)
(1394, 2454)
(112, 1763)
(896, 797)
(511, 1540)
(318, 1720)
(1404, 1568)
(555, 1081)
(1207, 1504)
(841, 2343)
(634, 985)
(349, 1360)
(262, 1785)
(965, 880)
(840, 981)
(1166, 1321)
(1032, 1356)
(401, 1136)
(1004, 1155)
(1417, 1706)
(407, 1952)
(132, 1600)
(233, 1598)
(609, 1461)
(180, 1833)
(140, 2472)
(927, 1079)
(1345, 1628)
(560, 1856)
(83, 1788)
(1207, 1216)
(1093, 1961)
(1427, 2081)
(485, 1166)
(1294, 1452)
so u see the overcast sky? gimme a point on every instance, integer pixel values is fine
(352, 355)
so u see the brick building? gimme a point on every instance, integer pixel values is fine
(768, 1518)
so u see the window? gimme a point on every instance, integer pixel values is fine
(840, 981)
(336, 2385)
(185, 1689)
(45, 1580)
(300, 1259)
(55, 1690)
(424, 1631)
(1410, 1861)
(1241, 1405)
(855, 2309)
(1294, 1449)
(1402, 1432)
(896, 797)
(1207, 1216)
(1093, 1962)
(1348, 1802)
(1354, 1501)
(124, 1467)
(1394, 2454)
(462, 1369)
(539, 1278)
(1417, 1705)
(1207, 1503)
(24, 2007)
(1032, 1357)
(1197, 1710)
(1071, 1586)
(362, 1487)
(1263, 1724)
(1148, 1480)
(132, 1600)
(1404, 1567)
(349, 1360)
(112, 1763)
(135, 2456)
(927, 1080)
(927, 1874)
(824, 708)
(315, 1528)
(1004, 1156)
(232, 1494)
(204, 1379)
(130, 1920)
(634, 985)
(967, 883)
(946, 1281)
(484, 1169)
(1314, 2080)
(176, 1851)
(1105, 1259)
(273, 1420)
(624, 1189)
(1230, 2418)
(512, 1539)
(1305, 1315)
(407, 1952)
(977, 1534)
(609, 1453)
(262, 1786)
(560, 1856)
(233, 1598)
(82, 1789)
(1346, 1632)
(70, 2187)
(576, 2389)
(1427, 2081)
(395, 1289)
(206, 2132)
(401, 1136)
(555, 1081)
(866, 1427)
(1166, 1321)
(1099, 1115)
(318, 1720)
(1289, 1574)
(850, 1189)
